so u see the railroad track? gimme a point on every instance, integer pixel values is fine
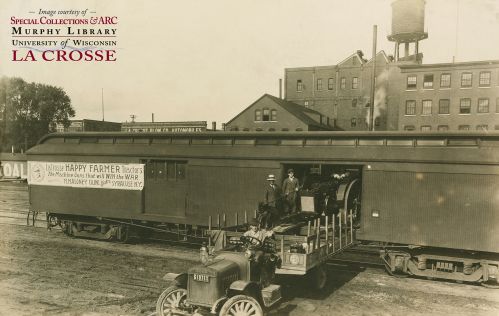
(14, 211)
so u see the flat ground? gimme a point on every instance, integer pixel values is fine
(47, 273)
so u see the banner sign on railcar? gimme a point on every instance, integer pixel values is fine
(87, 175)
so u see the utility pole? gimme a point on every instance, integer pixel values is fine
(102, 104)
(373, 80)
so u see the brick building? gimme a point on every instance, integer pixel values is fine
(455, 96)
(270, 113)
(342, 92)
(409, 95)
(138, 127)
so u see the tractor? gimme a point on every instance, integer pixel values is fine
(237, 281)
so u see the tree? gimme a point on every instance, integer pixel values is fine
(30, 110)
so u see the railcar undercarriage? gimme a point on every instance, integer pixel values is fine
(445, 264)
(124, 230)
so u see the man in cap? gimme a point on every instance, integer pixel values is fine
(255, 231)
(290, 187)
(265, 260)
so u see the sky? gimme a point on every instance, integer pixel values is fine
(195, 60)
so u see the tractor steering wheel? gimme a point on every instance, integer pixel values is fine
(251, 241)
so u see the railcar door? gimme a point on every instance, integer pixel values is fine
(165, 191)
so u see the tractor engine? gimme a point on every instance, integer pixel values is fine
(206, 284)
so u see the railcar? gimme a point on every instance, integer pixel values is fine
(431, 200)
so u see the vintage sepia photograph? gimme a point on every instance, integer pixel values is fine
(249, 158)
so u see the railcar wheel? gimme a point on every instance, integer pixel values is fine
(388, 269)
(241, 305)
(173, 298)
(318, 277)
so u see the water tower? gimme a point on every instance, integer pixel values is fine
(408, 29)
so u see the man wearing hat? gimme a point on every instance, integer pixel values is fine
(272, 202)
(290, 187)
(273, 193)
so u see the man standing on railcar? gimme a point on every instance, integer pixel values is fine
(272, 202)
(290, 187)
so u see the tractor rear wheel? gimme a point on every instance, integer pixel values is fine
(173, 298)
(241, 305)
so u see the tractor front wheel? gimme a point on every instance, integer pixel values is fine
(172, 299)
(241, 305)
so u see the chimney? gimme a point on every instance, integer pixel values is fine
(213, 126)
(152, 117)
(280, 88)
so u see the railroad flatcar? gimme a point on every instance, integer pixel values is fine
(431, 200)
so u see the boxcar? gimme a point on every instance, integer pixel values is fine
(424, 196)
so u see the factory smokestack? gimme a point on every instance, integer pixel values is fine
(280, 88)
(373, 80)
(213, 126)
(152, 117)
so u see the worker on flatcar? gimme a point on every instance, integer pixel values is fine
(271, 210)
(332, 205)
(290, 187)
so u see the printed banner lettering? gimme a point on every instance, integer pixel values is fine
(87, 175)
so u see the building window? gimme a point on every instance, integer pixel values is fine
(445, 81)
(353, 122)
(354, 102)
(410, 107)
(266, 115)
(299, 86)
(343, 83)
(444, 106)
(425, 128)
(271, 129)
(319, 84)
(482, 127)
(483, 105)
(428, 81)
(299, 129)
(484, 79)
(285, 129)
(258, 115)
(426, 107)
(355, 83)
(377, 121)
(497, 105)
(463, 127)
(330, 84)
(412, 82)
(273, 115)
(465, 106)
(409, 128)
(259, 129)
(246, 129)
(443, 128)
(466, 79)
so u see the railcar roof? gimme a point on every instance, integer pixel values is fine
(318, 134)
